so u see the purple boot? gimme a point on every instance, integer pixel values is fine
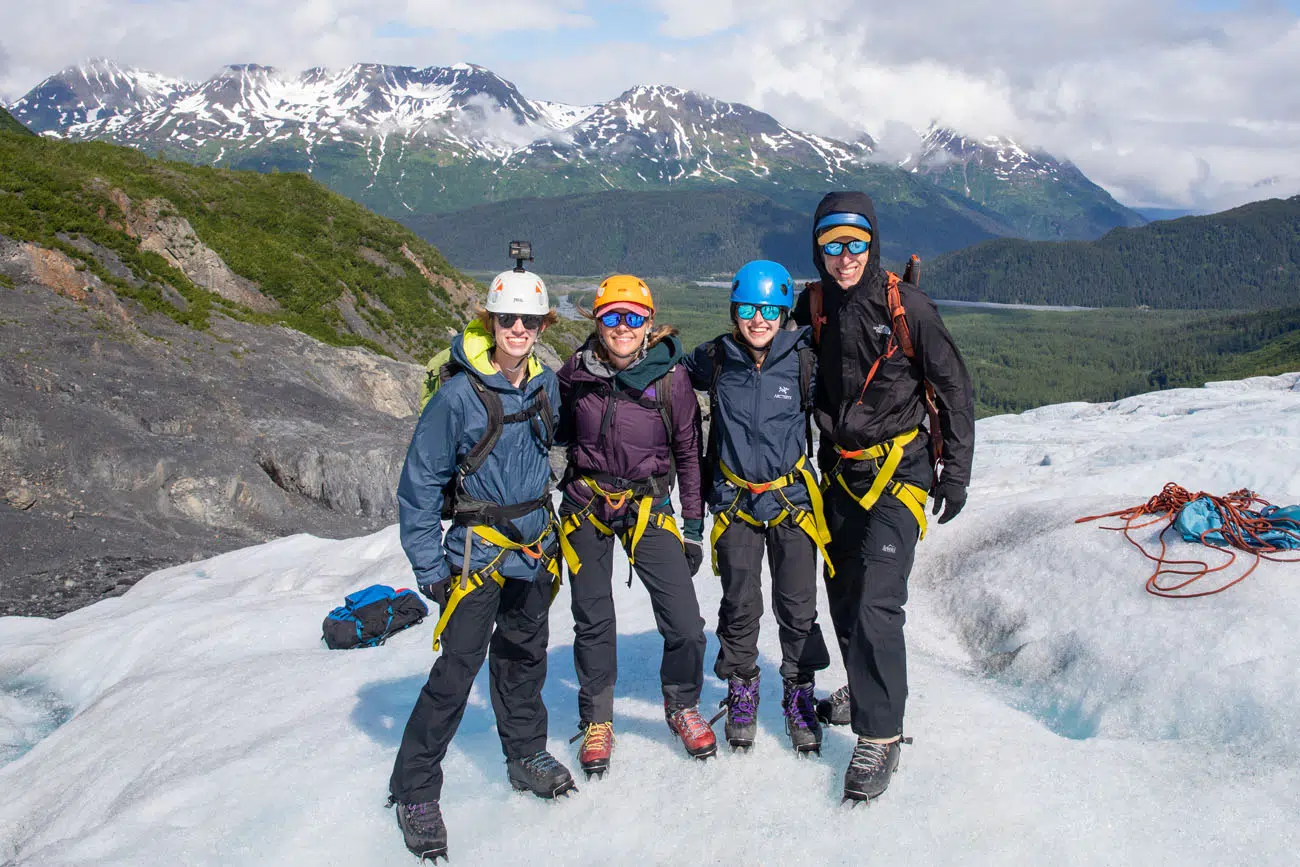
(801, 717)
(742, 711)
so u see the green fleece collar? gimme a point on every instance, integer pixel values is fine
(658, 360)
(477, 344)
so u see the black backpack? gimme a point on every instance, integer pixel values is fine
(368, 617)
(538, 413)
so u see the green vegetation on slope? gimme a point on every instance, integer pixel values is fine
(10, 124)
(1245, 259)
(302, 244)
(1020, 359)
(683, 233)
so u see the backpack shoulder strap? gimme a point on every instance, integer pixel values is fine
(716, 355)
(816, 316)
(664, 401)
(898, 315)
(807, 360)
(495, 419)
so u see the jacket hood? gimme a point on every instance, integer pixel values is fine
(851, 203)
(472, 349)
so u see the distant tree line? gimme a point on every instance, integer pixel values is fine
(1245, 259)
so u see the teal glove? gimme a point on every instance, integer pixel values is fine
(693, 529)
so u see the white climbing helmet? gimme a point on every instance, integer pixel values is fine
(518, 292)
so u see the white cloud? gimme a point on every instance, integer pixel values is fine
(1159, 101)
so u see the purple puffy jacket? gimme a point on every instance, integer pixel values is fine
(636, 443)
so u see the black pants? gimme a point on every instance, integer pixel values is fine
(661, 566)
(516, 671)
(792, 559)
(872, 552)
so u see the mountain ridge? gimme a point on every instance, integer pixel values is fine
(405, 140)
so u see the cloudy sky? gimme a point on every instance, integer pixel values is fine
(1171, 103)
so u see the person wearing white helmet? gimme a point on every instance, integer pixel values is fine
(480, 458)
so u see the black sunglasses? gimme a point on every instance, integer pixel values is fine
(532, 321)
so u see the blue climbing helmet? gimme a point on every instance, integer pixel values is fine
(763, 282)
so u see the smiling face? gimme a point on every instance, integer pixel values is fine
(847, 268)
(757, 332)
(622, 342)
(514, 340)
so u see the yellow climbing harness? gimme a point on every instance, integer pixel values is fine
(812, 520)
(887, 456)
(645, 516)
(472, 580)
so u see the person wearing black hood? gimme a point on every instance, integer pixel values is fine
(870, 408)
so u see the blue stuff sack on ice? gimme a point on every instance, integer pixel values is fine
(1200, 520)
(368, 617)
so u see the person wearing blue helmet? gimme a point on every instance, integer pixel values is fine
(765, 499)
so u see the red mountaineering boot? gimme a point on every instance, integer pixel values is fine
(695, 733)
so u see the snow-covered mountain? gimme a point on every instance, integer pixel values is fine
(402, 140)
(1060, 714)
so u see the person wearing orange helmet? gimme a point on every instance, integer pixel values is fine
(630, 419)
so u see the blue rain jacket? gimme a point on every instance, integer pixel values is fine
(517, 469)
(758, 419)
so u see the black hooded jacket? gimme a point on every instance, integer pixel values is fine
(857, 332)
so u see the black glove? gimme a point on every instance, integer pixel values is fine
(437, 591)
(694, 555)
(949, 496)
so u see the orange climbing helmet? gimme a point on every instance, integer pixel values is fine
(624, 289)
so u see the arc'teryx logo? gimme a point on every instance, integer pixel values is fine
(783, 393)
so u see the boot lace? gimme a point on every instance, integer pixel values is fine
(800, 709)
(597, 737)
(741, 701)
(541, 764)
(689, 724)
(869, 757)
(425, 818)
(840, 696)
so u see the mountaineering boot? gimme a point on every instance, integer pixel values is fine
(423, 829)
(869, 770)
(801, 718)
(540, 774)
(742, 711)
(695, 733)
(597, 745)
(834, 709)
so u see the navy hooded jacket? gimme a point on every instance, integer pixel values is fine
(516, 470)
(757, 420)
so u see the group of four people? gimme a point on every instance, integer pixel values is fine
(863, 355)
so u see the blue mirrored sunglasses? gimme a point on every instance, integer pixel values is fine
(856, 247)
(612, 318)
(771, 312)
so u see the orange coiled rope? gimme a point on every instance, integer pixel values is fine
(1242, 529)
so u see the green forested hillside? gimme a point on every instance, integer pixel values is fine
(8, 124)
(302, 245)
(1020, 359)
(686, 233)
(1246, 258)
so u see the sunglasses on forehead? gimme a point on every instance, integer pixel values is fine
(613, 317)
(856, 247)
(770, 312)
(531, 321)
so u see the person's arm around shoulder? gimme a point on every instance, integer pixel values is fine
(686, 454)
(430, 464)
(699, 365)
(942, 365)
